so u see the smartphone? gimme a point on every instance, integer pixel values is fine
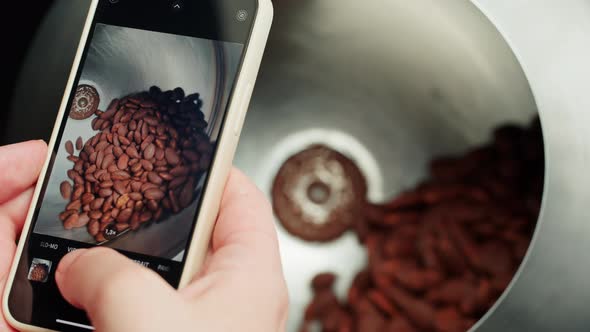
(142, 146)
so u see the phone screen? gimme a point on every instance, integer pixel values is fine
(135, 145)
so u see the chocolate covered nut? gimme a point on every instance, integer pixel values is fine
(66, 190)
(105, 193)
(131, 151)
(79, 143)
(323, 281)
(100, 238)
(179, 171)
(417, 279)
(419, 312)
(400, 324)
(173, 158)
(120, 175)
(64, 215)
(121, 227)
(74, 205)
(124, 172)
(119, 187)
(149, 151)
(71, 221)
(441, 254)
(451, 292)
(95, 214)
(360, 284)
(166, 176)
(135, 196)
(381, 302)
(449, 320)
(69, 147)
(369, 318)
(186, 194)
(125, 215)
(154, 194)
(174, 201)
(87, 198)
(122, 201)
(155, 178)
(322, 303)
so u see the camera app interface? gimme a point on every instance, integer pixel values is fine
(138, 141)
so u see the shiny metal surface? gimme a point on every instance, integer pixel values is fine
(552, 291)
(392, 83)
(423, 78)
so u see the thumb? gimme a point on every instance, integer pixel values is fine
(116, 293)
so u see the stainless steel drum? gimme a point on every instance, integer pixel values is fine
(392, 84)
(391, 95)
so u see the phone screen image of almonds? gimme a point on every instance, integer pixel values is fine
(439, 254)
(141, 164)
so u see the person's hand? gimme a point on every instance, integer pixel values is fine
(20, 165)
(241, 287)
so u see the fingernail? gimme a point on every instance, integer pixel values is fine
(66, 262)
(40, 141)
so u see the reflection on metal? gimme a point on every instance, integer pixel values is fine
(423, 78)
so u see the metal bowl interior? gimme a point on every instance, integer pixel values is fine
(424, 78)
(391, 84)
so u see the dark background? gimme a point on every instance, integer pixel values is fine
(39, 51)
(19, 21)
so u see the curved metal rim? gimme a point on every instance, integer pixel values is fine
(554, 88)
(520, 269)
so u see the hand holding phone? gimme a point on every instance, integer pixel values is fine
(241, 288)
(141, 150)
(243, 270)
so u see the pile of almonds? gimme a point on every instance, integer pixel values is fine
(142, 165)
(442, 253)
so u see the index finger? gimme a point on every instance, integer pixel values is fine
(20, 165)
